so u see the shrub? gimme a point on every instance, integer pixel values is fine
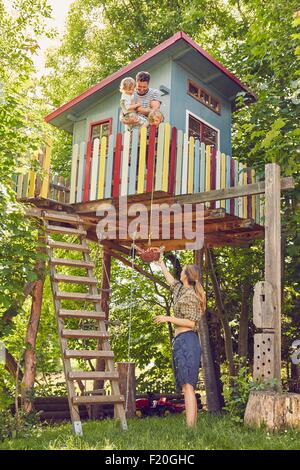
(20, 425)
(238, 388)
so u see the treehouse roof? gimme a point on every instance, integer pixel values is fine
(179, 47)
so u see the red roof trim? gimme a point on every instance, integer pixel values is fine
(216, 63)
(140, 60)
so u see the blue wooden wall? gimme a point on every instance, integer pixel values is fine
(181, 101)
(174, 105)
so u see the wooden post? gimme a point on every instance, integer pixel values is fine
(267, 294)
(128, 386)
(211, 388)
(275, 410)
(105, 285)
(273, 254)
(46, 171)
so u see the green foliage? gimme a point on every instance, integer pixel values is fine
(23, 425)
(238, 388)
(21, 131)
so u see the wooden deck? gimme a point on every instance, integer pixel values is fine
(220, 228)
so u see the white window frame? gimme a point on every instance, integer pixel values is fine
(204, 122)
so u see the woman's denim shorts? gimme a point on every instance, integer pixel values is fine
(186, 359)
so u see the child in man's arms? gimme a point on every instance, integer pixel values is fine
(129, 107)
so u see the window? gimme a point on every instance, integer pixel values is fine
(100, 129)
(197, 92)
(201, 131)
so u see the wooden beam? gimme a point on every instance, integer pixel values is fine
(236, 191)
(138, 269)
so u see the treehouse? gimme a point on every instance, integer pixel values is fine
(189, 153)
(186, 160)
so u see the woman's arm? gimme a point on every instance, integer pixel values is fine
(169, 278)
(176, 321)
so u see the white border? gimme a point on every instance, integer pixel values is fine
(204, 122)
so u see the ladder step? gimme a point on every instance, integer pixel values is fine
(78, 263)
(81, 314)
(75, 279)
(65, 230)
(63, 217)
(68, 246)
(103, 399)
(85, 354)
(93, 375)
(84, 334)
(78, 296)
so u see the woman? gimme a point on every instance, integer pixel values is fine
(189, 302)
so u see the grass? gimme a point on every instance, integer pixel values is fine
(169, 433)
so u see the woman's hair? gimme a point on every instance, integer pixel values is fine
(127, 83)
(193, 273)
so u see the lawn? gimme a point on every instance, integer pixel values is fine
(155, 433)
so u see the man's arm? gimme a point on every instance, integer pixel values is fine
(153, 105)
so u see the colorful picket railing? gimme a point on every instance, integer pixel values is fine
(165, 160)
(42, 184)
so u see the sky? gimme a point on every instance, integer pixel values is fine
(59, 13)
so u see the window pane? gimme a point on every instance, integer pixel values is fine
(214, 104)
(204, 97)
(210, 136)
(95, 132)
(194, 128)
(105, 129)
(193, 90)
(100, 130)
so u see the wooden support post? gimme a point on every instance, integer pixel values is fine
(211, 388)
(267, 294)
(273, 254)
(127, 384)
(105, 285)
(275, 410)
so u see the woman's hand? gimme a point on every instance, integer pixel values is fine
(159, 262)
(161, 319)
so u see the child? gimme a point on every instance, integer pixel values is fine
(128, 106)
(155, 117)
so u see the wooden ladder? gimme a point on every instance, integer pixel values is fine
(71, 224)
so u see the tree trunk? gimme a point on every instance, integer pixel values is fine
(209, 373)
(244, 320)
(222, 314)
(276, 411)
(32, 330)
(216, 343)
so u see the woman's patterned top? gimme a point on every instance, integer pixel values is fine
(186, 303)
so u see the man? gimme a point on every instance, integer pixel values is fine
(150, 98)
